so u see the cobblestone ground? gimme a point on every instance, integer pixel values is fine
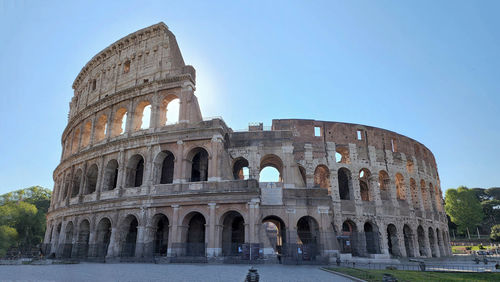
(161, 272)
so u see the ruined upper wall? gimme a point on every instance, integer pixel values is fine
(141, 57)
(347, 133)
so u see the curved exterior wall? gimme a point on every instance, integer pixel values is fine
(177, 190)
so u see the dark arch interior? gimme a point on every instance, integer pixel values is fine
(275, 230)
(103, 237)
(128, 249)
(196, 236)
(238, 166)
(233, 233)
(167, 169)
(161, 235)
(344, 178)
(199, 166)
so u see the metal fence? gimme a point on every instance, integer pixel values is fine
(490, 266)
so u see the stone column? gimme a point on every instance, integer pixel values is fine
(356, 194)
(179, 163)
(427, 243)
(436, 244)
(251, 223)
(213, 166)
(100, 178)
(114, 243)
(173, 240)
(139, 242)
(401, 241)
(212, 248)
(384, 244)
(288, 181)
(61, 240)
(122, 169)
(74, 240)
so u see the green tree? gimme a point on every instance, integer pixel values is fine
(8, 237)
(464, 209)
(495, 233)
(24, 211)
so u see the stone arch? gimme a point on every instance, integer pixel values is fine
(273, 161)
(275, 231)
(421, 241)
(101, 128)
(164, 167)
(432, 242)
(233, 233)
(161, 232)
(169, 104)
(348, 241)
(393, 240)
(342, 155)
(76, 140)
(68, 240)
(194, 234)
(302, 172)
(198, 168)
(87, 128)
(309, 236)
(364, 185)
(91, 179)
(408, 239)
(345, 183)
(135, 171)
(77, 179)
(400, 187)
(142, 120)
(110, 175)
(322, 177)
(372, 238)
(119, 124)
(384, 183)
(103, 237)
(240, 168)
(128, 229)
(83, 239)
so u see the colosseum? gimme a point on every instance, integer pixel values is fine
(143, 176)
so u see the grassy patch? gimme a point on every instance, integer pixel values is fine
(408, 275)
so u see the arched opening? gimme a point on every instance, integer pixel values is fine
(111, 175)
(393, 241)
(83, 239)
(364, 185)
(348, 239)
(164, 167)
(129, 229)
(68, 241)
(103, 237)
(77, 179)
(400, 187)
(408, 237)
(432, 242)
(142, 116)
(345, 184)
(371, 238)
(100, 128)
(308, 233)
(421, 241)
(233, 233)
(384, 184)
(199, 164)
(161, 235)
(271, 168)
(87, 128)
(76, 139)
(414, 194)
(135, 171)
(169, 110)
(195, 239)
(275, 231)
(342, 155)
(91, 182)
(322, 177)
(240, 169)
(118, 126)
(432, 197)
(409, 166)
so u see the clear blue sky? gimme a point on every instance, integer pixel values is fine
(426, 69)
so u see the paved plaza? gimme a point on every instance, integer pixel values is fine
(161, 272)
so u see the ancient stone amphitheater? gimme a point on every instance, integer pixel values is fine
(136, 183)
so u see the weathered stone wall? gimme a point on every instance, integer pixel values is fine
(344, 189)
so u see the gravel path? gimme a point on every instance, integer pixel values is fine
(161, 272)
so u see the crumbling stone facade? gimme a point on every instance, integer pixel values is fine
(132, 190)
